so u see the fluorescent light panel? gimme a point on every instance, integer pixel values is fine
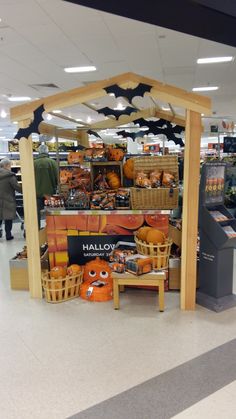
(205, 88)
(85, 69)
(212, 60)
(19, 98)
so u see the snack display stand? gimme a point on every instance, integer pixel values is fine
(194, 106)
(217, 241)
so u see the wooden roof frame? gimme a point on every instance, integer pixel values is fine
(194, 105)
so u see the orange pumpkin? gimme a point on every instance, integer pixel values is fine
(116, 154)
(58, 272)
(73, 269)
(113, 180)
(129, 169)
(65, 175)
(97, 269)
(155, 236)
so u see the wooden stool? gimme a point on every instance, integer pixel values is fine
(155, 279)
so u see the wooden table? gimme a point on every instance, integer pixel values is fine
(155, 279)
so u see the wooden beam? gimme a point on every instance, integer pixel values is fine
(49, 129)
(164, 92)
(30, 214)
(176, 96)
(190, 210)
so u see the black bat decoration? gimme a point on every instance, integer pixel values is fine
(162, 127)
(91, 132)
(33, 126)
(132, 135)
(116, 112)
(128, 93)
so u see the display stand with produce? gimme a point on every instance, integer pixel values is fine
(194, 105)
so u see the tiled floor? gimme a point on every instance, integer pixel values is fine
(56, 360)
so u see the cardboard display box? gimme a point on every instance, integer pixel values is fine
(175, 234)
(174, 274)
(19, 267)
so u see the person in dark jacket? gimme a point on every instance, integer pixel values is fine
(8, 186)
(46, 177)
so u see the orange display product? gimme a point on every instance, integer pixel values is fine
(72, 233)
(96, 294)
(61, 258)
(58, 272)
(97, 270)
(51, 260)
(93, 223)
(112, 229)
(139, 265)
(82, 222)
(60, 222)
(71, 221)
(50, 223)
(52, 246)
(61, 240)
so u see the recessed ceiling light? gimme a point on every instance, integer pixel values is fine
(85, 69)
(3, 114)
(49, 117)
(19, 98)
(57, 111)
(15, 122)
(212, 60)
(205, 88)
(1, 138)
(111, 94)
(89, 119)
(202, 114)
(165, 108)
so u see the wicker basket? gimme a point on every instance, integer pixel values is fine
(62, 289)
(159, 253)
(155, 198)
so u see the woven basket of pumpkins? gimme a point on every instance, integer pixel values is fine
(153, 243)
(62, 283)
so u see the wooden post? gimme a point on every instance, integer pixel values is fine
(190, 210)
(84, 139)
(30, 214)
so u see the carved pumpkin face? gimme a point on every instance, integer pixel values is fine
(116, 154)
(97, 270)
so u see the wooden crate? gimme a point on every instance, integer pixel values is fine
(19, 279)
(61, 289)
(158, 252)
(175, 234)
(108, 166)
(155, 198)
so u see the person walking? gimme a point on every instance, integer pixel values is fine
(46, 178)
(8, 186)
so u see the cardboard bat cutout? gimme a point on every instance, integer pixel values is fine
(133, 135)
(91, 132)
(116, 112)
(129, 94)
(33, 126)
(162, 127)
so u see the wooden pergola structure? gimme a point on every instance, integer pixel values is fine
(193, 104)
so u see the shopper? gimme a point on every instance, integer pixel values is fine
(46, 177)
(8, 186)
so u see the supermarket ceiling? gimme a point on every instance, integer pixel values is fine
(38, 38)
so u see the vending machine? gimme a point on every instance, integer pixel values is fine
(217, 241)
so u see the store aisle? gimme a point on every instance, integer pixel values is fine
(58, 360)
